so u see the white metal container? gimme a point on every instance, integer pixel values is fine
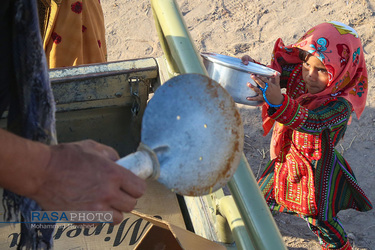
(233, 75)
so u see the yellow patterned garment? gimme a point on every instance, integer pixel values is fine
(74, 33)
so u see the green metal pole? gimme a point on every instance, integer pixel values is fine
(228, 209)
(182, 57)
(175, 39)
(254, 210)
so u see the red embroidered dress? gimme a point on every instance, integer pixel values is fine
(299, 179)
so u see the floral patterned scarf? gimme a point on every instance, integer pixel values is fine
(74, 33)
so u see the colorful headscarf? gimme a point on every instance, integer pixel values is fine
(339, 48)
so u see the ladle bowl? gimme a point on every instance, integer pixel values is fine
(192, 129)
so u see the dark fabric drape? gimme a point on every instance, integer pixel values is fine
(26, 92)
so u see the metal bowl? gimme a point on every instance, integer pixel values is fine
(233, 75)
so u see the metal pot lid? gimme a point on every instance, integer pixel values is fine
(236, 63)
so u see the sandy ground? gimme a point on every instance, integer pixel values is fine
(235, 28)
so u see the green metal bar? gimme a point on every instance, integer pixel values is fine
(175, 39)
(257, 217)
(228, 209)
(172, 68)
(182, 57)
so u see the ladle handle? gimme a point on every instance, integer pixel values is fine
(140, 163)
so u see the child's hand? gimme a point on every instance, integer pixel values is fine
(273, 92)
(246, 59)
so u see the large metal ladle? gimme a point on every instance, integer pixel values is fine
(192, 137)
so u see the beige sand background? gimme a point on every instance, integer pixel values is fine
(237, 27)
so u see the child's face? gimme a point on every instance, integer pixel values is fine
(314, 74)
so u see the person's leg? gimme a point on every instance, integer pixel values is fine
(331, 234)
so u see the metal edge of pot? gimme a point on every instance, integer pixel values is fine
(255, 68)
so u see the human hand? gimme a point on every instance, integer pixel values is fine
(246, 59)
(273, 92)
(83, 176)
